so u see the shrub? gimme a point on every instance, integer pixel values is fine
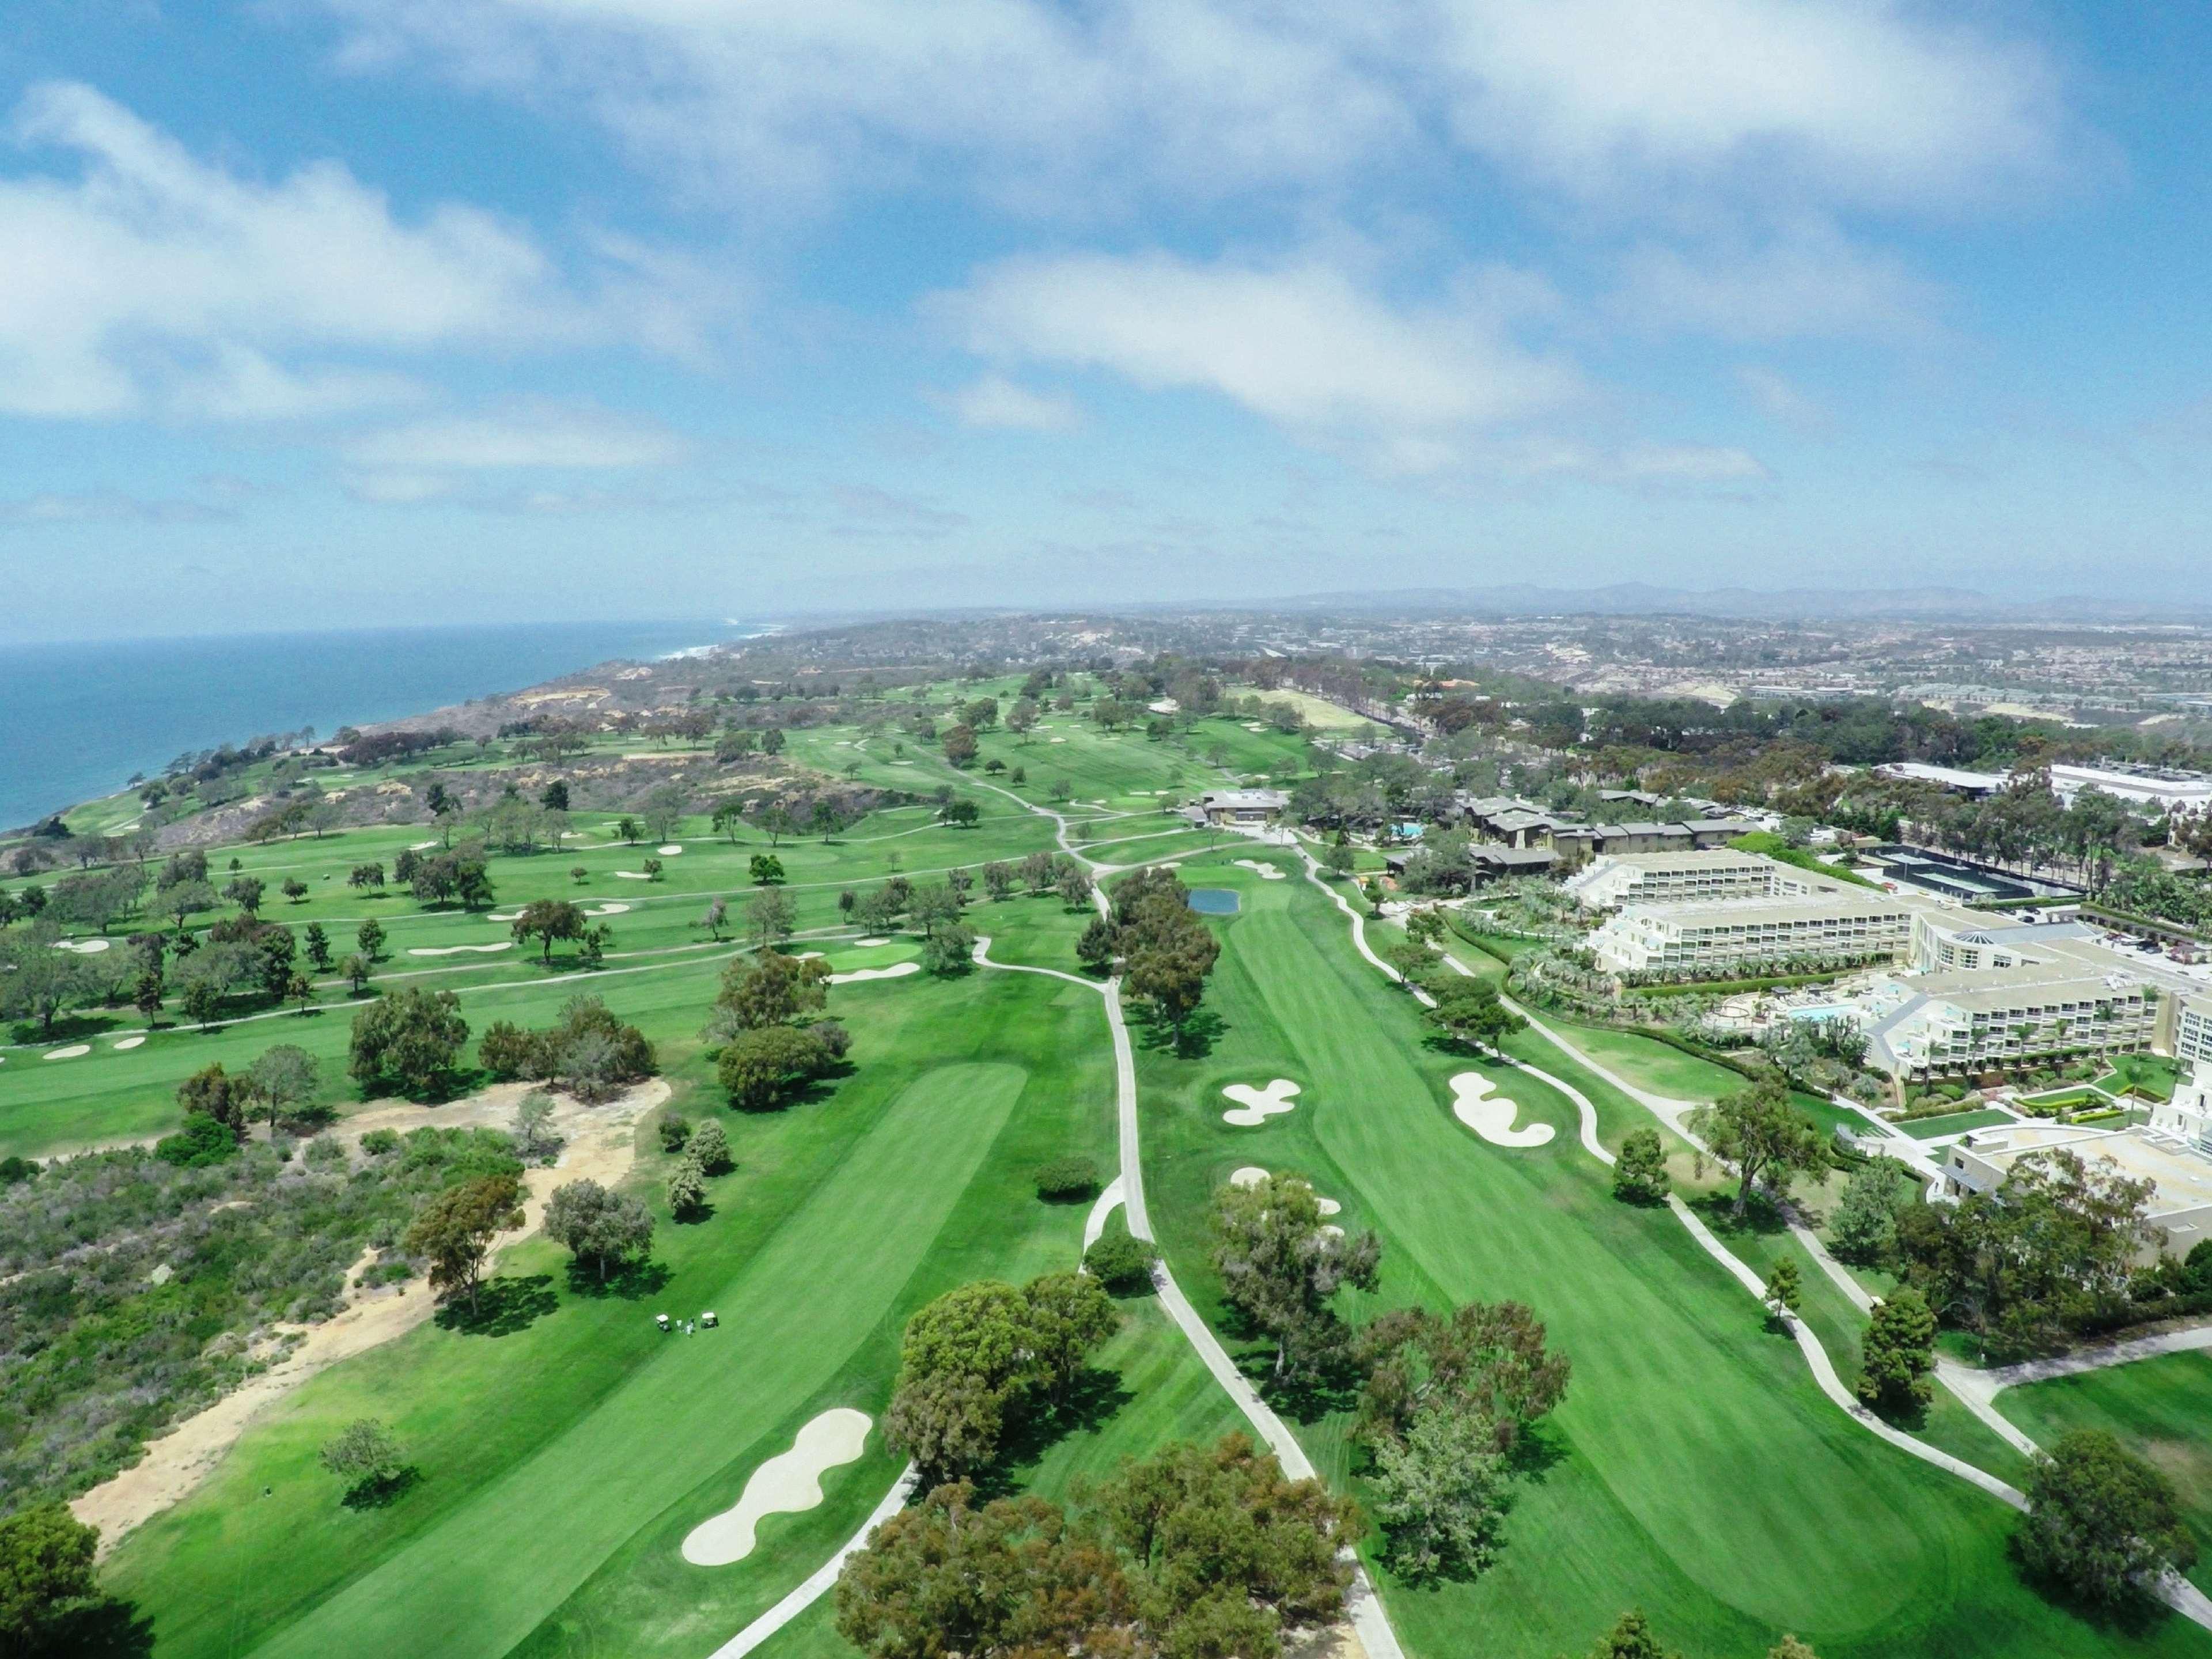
(379, 1143)
(1121, 1262)
(1066, 1179)
(710, 1148)
(674, 1132)
(203, 1142)
(764, 1069)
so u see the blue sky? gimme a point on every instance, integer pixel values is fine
(368, 310)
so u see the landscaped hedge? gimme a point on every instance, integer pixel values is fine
(1732, 987)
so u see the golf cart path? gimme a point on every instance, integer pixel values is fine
(2177, 1592)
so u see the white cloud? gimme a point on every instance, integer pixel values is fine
(1061, 107)
(997, 401)
(149, 281)
(1854, 100)
(1809, 283)
(1297, 343)
(521, 435)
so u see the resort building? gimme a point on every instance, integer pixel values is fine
(1969, 1021)
(1677, 912)
(1235, 808)
(2179, 1211)
(1717, 934)
(2159, 787)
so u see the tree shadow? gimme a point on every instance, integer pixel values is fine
(2136, 1615)
(702, 1210)
(503, 1306)
(1089, 1403)
(379, 1491)
(1761, 1219)
(1537, 1451)
(106, 1628)
(630, 1281)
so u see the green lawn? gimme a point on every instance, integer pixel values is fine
(1696, 1470)
(2158, 1408)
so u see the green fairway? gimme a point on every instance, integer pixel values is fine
(2159, 1409)
(1695, 1470)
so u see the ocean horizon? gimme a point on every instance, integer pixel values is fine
(78, 720)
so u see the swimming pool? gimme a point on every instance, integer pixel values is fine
(1213, 900)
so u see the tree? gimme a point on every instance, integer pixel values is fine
(1783, 1291)
(284, 1081)
(950, 949)
(1790, 1648)
(213, 1092)
(548, 919)
(1631, 1639)
(366, 875)
(411, 1040)
(1280, 1269)
(534, 1135)
(295, 889)
(764, 869)
(1440, 1495)
(554, 798)
(626, 830)
(1094, 948)
(46, 1569)
(1006, 1578)
(1469, 1011)
(370, 937)
(1484, 1361)
(602, 1229)
(1119, 1262)
(717, 916)
(364, 1455)
(1640, 1175)
(1899, 1353)
(769, 917)
(771, 989)
(710, 1148)
(664, 808)
(687, 1189)
(183, 900)
(761, 1069)
(1068, 1316)
(1758, 1130)
(453, 1232)
(39, 980)
(772, 741)
(1864, 1226)
(2101, 1522)
(1074, 886)
(245, 891)
(356, 971)
(964, 1358)
(959, 744)
(998, 881)
(318, 947)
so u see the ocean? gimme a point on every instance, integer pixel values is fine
(77, 720)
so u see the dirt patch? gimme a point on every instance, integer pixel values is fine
(601, 1146)
(1331, 1642)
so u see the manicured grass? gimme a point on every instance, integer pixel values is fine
(2153, 1075)
(564, 1464)
(2158, 1408)
(1696, 1470)
(1952, 1123)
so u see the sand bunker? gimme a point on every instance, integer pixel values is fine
(1267, 872)
(611, 907)
(504, 915)
(422, 846)
(83, 947)
(70, 1052)
(870, 941)
(785, 1485)
(1328, 1206)
(1491, 1114)
(462, 949)
(1255, 1106)
(129, 1042)
(669, 852)
(1056, 740)
(896, 970)
(633, 875)
(1332, 1232)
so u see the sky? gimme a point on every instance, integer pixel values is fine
(355, 311)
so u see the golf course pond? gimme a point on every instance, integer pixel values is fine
(1213, 900)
